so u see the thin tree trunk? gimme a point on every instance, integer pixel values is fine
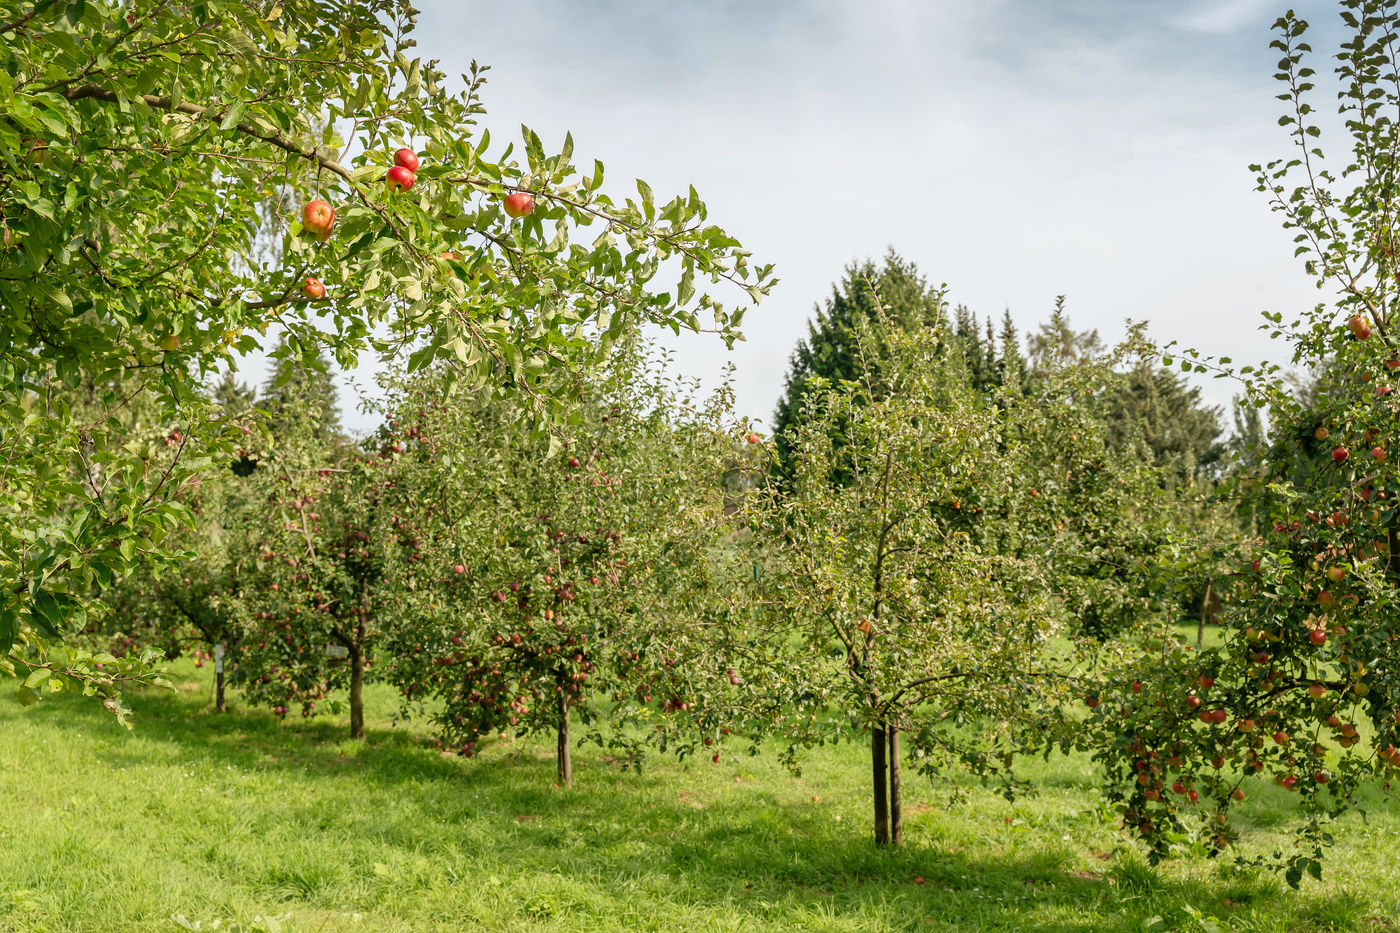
(357, 684)
(879, 779)
(564, 754)
(1205, 614)
(219, 706)
(896, 807)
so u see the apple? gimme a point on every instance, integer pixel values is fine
(1318, 637)
(38, 151)
(1359, 328)
(406, 158)
(1288, 782)
(318, 218)
(1336, 573)
(314, 288)
(1246, 725)
(715, 757)
(1325, 598)
(1091, 701)
(1378, 453)
(1207, 717)
(753, 438)
(170, 344)
(1280, 738)
(1321, 433)
(1205, 681)
(519, 204)
(1193, 701)
(1317, 691)
(399, 178)
(1383, 391)
(1237, 794)
(573, 462)
(1220, 715)
(1392, 364)
(459, 568)
(1178, 787)
(1193, 796)
(1340, 453)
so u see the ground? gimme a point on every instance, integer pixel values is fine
(198, 819)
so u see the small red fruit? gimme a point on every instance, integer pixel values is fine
(459, 568)
(1318, 637)
(1340, 453)
(753, 438)
(1378, 453)
(399, 178)
(1193, 701)
(318, 218)
(314, 289)
(407, 158)
(519, 204)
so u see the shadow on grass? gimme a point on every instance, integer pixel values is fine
(728, 846)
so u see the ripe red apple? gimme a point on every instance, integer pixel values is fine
(399, 178)
(459, 568)
(1359, 327)
(1318, 637)
(519, 204)
(1378, 453)
(1288, 782)
(1281, 737)
(1321, 777)
(314, 289)
(1220, 715)
(1392, 364)
(1325, 598)
(318, 218)
(753, 438)
(1340, 453)
(1237, 794)
(1137, 686)
(1193, 701)
(1321, 433)
(1317, 691)
(1246, 725)
(1336, 573)
(1382, 391)
(406, 158)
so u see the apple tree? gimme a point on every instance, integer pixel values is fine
(1304, 690)
(147, 146)
(559, 549)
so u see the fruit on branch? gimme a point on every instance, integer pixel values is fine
(1336, 573)
(753, 438)
(1318, 637)
(36, 151)
(170, 344)
(1378, 453)
(314, 288)
(317, 217)
(1321, 433)
(407, 158)
(1340, 454)
(519, 204)
(1360, 329)
(399, 178)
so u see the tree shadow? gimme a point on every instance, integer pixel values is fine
(716, 845)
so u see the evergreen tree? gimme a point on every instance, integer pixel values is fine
(233, 396)
(1011, 367)
(1058, 343)
(1156, 407)
(299, 394)
(866, 294)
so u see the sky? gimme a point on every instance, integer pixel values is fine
(1015, 150)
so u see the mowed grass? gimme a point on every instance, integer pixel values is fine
(226, 819)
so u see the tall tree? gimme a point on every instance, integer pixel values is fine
(1158, 408)
(867, 294)
(1057, 342)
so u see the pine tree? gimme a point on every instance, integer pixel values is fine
(1011, 367)
(299, 395)
(1156, 407)
(865, 294)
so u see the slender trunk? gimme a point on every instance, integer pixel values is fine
(877, 758)
(1205, 614)
(357, 684)
(896, 808)
(564, 755)
(219, 706)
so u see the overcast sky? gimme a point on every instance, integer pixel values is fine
(1014, 149)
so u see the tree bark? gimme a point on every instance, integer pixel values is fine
(879, 779)
(219, 706)
(564, 754)
(896, 808)
(1205, 614)
(357, 683)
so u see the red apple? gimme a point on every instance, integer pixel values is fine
(1359, 327)
(1336, 572)
(399, 178)
(1340, 453)
(1237, 794)
(407, 158)
(753, 438)
(1317, 691)
(519, 204)
(1321, 432)
(1321, 777)
(1220, 715)
(314, 288)
(1246, 725)
(459, 568)
(1280, 738)
(1318, 637)
(318, 218)
(1193, 701)
(1378, 453)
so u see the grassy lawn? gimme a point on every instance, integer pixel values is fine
(231, 818)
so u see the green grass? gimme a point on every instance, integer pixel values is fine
(230, 818)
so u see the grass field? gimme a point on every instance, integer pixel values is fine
(223, 820)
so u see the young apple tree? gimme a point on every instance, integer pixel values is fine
(1305, 688)
(143, 144)
(541, 556)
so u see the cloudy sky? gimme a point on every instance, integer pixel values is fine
(1015, 149)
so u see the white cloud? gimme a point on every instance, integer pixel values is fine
(1224, 15)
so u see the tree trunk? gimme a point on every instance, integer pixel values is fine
(896, 808)
(564, 754)
(219, 706)
(1205, 614)
(357, 683)
(879, 779)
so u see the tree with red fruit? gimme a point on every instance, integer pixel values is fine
(1305, 688)
(158, 277)
(566, 542)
